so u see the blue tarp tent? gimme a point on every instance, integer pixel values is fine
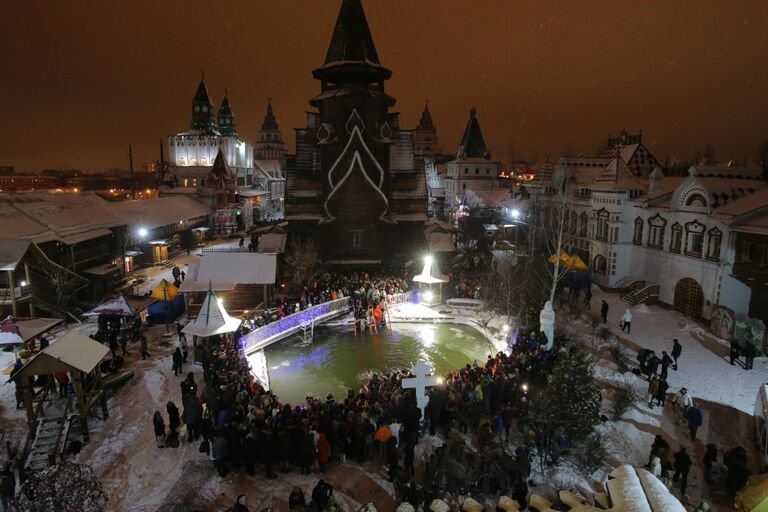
(165, 312)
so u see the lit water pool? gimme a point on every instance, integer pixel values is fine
(336, 358)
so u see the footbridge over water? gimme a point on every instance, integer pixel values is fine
(297, 324)
(257, 340)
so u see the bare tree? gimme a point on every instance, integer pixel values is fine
(302, 260)
(62, 283)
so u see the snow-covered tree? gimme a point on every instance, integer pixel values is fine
(570, 404)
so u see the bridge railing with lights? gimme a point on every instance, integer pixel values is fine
(264, 336)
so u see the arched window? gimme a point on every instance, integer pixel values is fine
(638, 237)
(584, 224)
(694, 239)
(713, 247)
(696, 200)
(656, 226)
(601, 233)
(574, 223)
(600, 264)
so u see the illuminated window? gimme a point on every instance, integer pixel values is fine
(181, 161)
(194, 182)
(192, 161)
(203, 161)
(186, 182)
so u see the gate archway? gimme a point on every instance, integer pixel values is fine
(689, 298)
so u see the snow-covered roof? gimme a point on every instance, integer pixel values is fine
(74, 350)
(225, 270)
(20, 330)
(11, 253)
(45, 216)
(272, 243)
(440, 242)
(487, 196)
(163, 211)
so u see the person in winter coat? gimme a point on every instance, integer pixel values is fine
(193, 414)
(173, 417)
(677, 349)
(682, 466)
(695, 419)
(296, 500)
(183, 347)
(735, 352)
(63, 379)
(661, 394)
(653, 390)
(749, 355)
(682, 400)
(143, 347)
(219, 452)
(322, 494)
(652, 366)
(7, 487)
(159, 426)
(323, 451)
(177, 360)
(666, 361)
(188, 386)
(626, 321)
(604, 312)
(710, 458)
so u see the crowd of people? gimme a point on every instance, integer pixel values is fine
(242, 427)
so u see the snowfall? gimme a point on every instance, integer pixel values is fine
(140, 477)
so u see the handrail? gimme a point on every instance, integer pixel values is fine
(263, 336)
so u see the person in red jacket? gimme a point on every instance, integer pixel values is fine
(63, 379)
(323, 451)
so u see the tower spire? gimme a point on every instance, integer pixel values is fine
(472, 143)
(352, 55)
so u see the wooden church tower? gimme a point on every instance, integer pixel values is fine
(353, 184)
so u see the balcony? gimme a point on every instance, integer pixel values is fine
(18, 293)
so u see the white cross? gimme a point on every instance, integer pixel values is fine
(419, 382)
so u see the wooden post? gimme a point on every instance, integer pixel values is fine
(26, 391)
(102, 398)
(81, 403)
(12, 285)
(29, 283)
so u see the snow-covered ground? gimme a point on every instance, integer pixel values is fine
(140, 477)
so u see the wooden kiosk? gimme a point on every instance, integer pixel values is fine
(80, 357)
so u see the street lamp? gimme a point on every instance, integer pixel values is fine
(142, 232)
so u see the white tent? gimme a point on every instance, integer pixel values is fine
(212, 319)
(117, 306)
